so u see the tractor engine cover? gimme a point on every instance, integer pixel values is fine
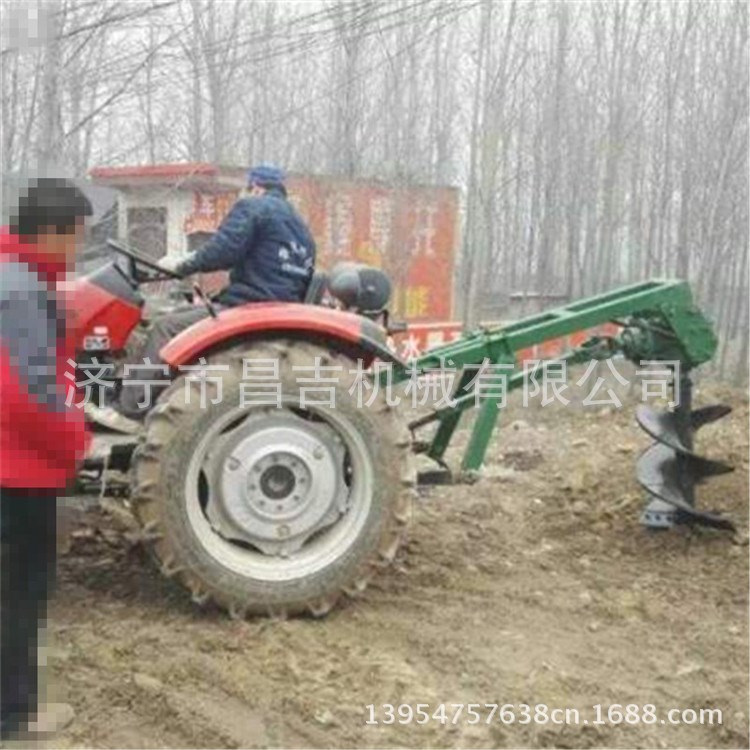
(360, 287)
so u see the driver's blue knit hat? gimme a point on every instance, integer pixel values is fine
(266, 174)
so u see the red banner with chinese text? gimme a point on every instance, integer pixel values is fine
(409, 232)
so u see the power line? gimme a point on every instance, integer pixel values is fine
(367, 71)
(361, 25)
(309, 41)
(319, 45)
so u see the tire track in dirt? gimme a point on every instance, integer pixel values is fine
(535, 585)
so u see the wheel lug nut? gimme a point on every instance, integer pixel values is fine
(232, 463)
(318, 453)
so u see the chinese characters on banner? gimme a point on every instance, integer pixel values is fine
(409, 232)
(208, 211)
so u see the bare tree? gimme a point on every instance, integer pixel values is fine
(595, 143)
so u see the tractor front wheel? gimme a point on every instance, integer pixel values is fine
(273, 508)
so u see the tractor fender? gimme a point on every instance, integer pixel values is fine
(355, 334)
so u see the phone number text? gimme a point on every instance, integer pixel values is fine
(538, 713)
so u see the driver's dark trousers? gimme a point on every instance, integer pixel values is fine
(137, 398)
(27, 570)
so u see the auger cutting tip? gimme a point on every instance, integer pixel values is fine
(707, 414)
(670, 480)
(669, 470)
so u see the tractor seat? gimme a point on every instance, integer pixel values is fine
(357, 286)
(316, 288)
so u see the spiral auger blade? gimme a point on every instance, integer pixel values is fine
(669, 470)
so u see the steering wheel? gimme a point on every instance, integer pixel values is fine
(155, 271)
(136, 259)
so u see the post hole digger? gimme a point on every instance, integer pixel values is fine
(261, 483)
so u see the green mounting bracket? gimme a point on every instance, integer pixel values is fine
(658, 319)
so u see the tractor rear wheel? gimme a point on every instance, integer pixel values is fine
(269, 510)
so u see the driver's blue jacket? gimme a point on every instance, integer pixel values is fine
(266, 247)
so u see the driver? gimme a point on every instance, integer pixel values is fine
(270, 255)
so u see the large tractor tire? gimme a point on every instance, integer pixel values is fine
(267, 510)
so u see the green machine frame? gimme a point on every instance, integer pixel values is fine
(658, 322)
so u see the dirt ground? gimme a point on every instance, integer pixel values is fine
(535, 585)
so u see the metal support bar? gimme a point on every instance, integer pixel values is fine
(481, 435)
(595, 348)
(666, 304)
(683, 396)
(660, 323)
(449, 419)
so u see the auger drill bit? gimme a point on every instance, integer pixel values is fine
(669, 470)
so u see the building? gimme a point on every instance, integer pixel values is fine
(409, 231)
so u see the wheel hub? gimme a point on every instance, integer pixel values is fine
(275, 480)
(278, 482)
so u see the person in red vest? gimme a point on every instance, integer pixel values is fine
(41, 440)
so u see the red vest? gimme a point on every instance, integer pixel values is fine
(40, 446)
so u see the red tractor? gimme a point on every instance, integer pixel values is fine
(276, 508)
(280, 507)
